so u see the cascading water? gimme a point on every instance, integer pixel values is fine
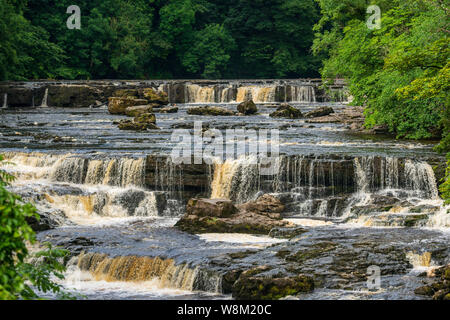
(236, 93)
(327, 187)
(85, 188)
(44, 103)
(139, 269)
(236, 179)
(5, 101)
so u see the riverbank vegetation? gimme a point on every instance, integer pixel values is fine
(19, 277)
(400, 72)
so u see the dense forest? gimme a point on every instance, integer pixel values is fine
(158, 39)
(400, 72)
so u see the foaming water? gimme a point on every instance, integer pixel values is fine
(239, 238)
(85, 284)
(165, 273)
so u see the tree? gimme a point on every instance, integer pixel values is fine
(211, 52)
(389, 70)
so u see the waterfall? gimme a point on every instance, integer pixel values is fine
(301, 94)
(419, 176)
(139, 269)
(237, 180)
(239, 92)
(44, 103)
(5, 101)
(257, 94)
(198, 94)
(89, 208)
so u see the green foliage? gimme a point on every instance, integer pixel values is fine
(18, 277)
(25, 49)
(210, 53)
(400, 72)
(445, 186)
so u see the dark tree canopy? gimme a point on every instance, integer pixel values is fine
(158, 39)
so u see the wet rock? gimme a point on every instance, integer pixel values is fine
(221, 216)
(153, 96)
(265, 205)
(119, 105)
(146, 118)
(168, 110)
(124, 93)
(440, 289)
(136, 126)
(286, 111)
(137, 110)
(250, 287)
(219, 208)
(286, 233)
(210, 111)
(247, 107)
(319, 112)
(48, 219)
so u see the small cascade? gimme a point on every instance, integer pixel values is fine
(238, 180)
(5, 101)
(236, 92)
(300, 94)
(420, 176)
(140, 269)
(44, 103)
(257, 94)
(199, 94)
(169, 178)
(326, 186)
(108, 202)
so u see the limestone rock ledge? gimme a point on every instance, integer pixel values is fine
(222, 216)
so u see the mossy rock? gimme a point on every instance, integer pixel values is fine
(315, 251)
(250, 287)
(124, 93)
(210, 111)
(287, 111)
(412, 221)
(153, 96)
(118, 105)
(247, 108)
(147, 118)
(137, 110)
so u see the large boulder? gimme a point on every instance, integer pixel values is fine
(221, 216)
(142, 122)
(265, 205)
(319, 112)
(210, 111)
(124, 93)
(136, 126)
(48, 219)
(118, 105)
(153, 96)
(287, 111)
(247, 107)
(220, 208)
(148, 118)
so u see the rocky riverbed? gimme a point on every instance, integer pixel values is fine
(339, 202)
